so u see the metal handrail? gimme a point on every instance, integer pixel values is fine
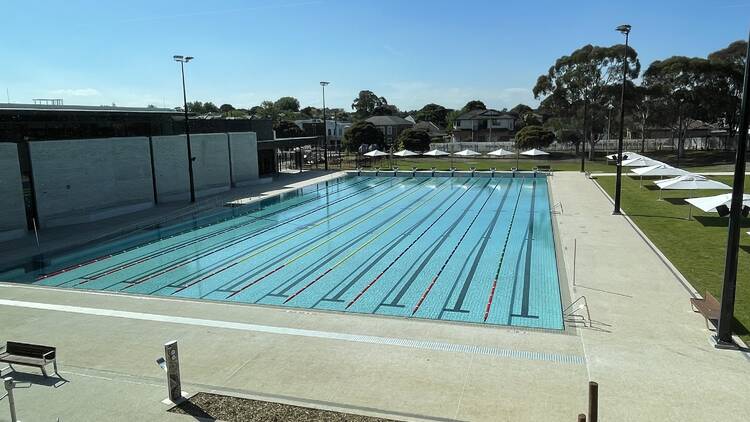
(583, 305)
(559, 204)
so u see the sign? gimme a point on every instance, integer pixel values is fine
(174, 385)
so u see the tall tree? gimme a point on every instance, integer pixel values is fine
(210, 107)
(434, 113)
(582, 80)
(366, 103)
(681, 83)
(287, 104)
(414, 140)
(534, 137)
(474, 105)
(362, 132)
(226, 108)
(522, 109)
(730, 68)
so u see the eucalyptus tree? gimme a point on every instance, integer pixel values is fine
(583, 80)
(730, 68)
(366, 103)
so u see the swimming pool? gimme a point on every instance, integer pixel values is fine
(470, 249)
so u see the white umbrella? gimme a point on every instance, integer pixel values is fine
(629, 155)
(641, 162)
(376, 153)
(500, 153)
(658, 170)
(405, 153)
(466, 153)
(534, 152)
(689, 182)
(710, 203)
(435, 153)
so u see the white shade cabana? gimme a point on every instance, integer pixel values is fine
(466, 153)
(659, 170)
(376, 153)
(500, 153)
(641, 162)
(690, 182)
(534, 153)
(405, 153)
(710, 203)
(435, 153)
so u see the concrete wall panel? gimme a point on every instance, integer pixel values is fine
(12, 209)
(211, 165)
(171, 168)
(244, 158)
(83, 180)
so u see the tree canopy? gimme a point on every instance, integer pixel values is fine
(474, 105)
(366, 103)
(362, 132)
(287, 129)
(287, 104)
(414, 140)
(434, 113)
(534, 137)
(226, 108)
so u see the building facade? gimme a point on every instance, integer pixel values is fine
(484, 126)
(390, 126)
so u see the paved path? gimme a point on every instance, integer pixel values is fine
(649, 352)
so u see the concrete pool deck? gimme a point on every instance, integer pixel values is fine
(649, 352)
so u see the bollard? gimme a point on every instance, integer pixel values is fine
(593, 401)
(581, 417)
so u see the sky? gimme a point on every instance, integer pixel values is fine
(412, 52)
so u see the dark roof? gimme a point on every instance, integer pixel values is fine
(85, 108)
(389, 121)
(429, 127)
(485, 115)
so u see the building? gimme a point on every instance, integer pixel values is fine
(391, 126)
(313, 127)
(484, 126)
(436, 134)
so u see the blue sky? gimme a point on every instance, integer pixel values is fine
(411, 52)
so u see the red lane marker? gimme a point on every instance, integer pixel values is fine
(489, 302)
(248, 285)
(308, 285)
(424, 295)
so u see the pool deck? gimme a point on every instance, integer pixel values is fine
(650, 354)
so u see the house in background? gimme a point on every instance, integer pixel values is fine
(436, 134)
(391, 126)
(314, 127)
(484, 126)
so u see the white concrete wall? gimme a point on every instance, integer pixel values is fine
(171, 168)
(12, 209)
(211, 165)
(84, 180)
(244, 158)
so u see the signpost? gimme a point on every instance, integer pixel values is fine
(171, 365)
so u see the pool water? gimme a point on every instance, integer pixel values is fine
(471, 249)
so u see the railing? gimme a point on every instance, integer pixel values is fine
(572, 310)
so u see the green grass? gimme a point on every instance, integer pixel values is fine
(696, 247)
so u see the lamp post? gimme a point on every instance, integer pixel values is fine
(728, 290)
(610, 107)
(624, 29)
(182, 60)
(325, 127)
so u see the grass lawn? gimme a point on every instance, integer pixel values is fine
(696, 247)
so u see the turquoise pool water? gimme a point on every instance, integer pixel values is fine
(477, 250)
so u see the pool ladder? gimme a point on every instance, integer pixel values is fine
(571, 313)
(554, 208)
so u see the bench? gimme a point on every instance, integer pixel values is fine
(29, 355)
(709, 307)
(545, 168)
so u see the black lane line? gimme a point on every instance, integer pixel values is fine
(180, 283)
(227, 264)
(502, 253)
(373, 260)
(433, 248)
(296, 278)
(189, 242)
(527, 268)
(106, 256)
(457, 307)
(453, 251)
(150, 274)
(373, 281)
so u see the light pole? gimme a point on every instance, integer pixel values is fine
(625, 29)
(726, 315)
(325, 127)
(610, 107)
(182, 60)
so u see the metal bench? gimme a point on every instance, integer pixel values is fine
(709, 307)
(29, 355)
